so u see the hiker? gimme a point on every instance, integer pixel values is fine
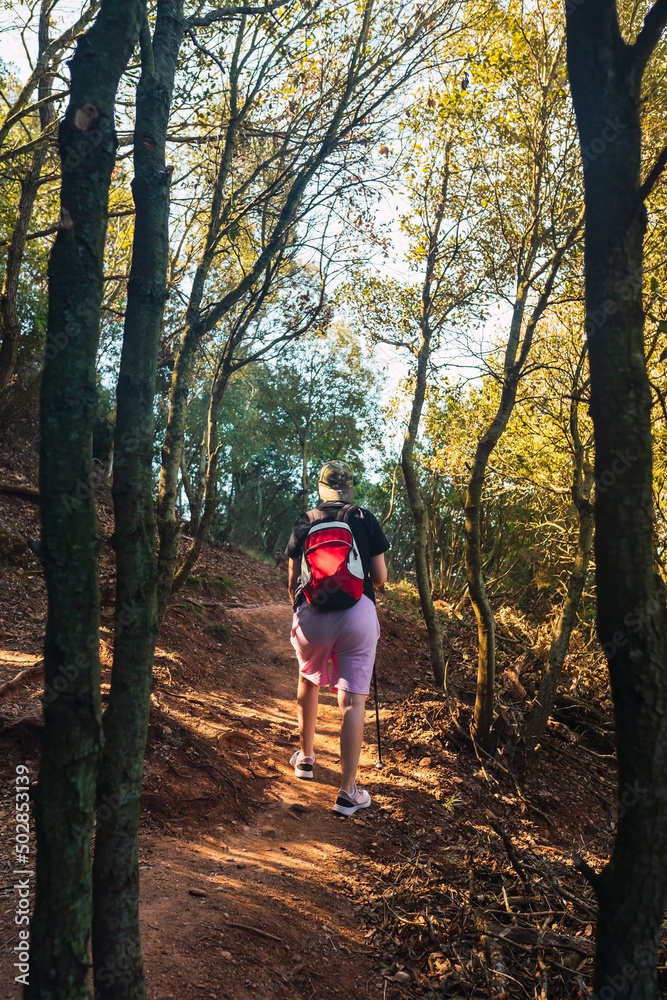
(335, 627)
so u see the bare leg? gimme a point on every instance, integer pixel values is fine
(307, 698)
(351, 736)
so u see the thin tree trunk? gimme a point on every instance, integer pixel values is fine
(582, 487)
(605, 77)
(418, 509)
(204, 498)
(190, 494)
(516, 355)
(210, 482)
(199, 491)
(10, 325)
(172, 454)
(423, 570)
(536, 720)
(430, 555)
(117, 956)
(305, 485)
(486, 645)
(194, 331)
(72, 706)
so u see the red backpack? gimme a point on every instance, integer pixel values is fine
(332, 576)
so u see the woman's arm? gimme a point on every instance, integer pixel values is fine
(378, 570)
(293, 571)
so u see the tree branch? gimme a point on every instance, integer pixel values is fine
(653, 175)
(649, 36)
(146, 48)
(54, 229)
(43, 63)
(225, 13)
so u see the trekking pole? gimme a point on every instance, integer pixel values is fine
(379, 764)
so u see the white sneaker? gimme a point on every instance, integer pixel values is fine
(303, 766)
(348, 803)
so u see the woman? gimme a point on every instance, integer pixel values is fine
(336, 647)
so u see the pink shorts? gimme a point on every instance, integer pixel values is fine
(337, 647)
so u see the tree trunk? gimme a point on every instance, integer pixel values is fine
(10, 325)
(582, 487)
(117, 956)
(516, 355)
(172, 454)
(605, 77)
(199, 489)
(486, 643)
(536, 720)
(72, 706)
(305, 485)
(419, 513)
(194, 331)
(191, 495)
(210, 482)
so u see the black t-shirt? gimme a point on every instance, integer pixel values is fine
(369, 536)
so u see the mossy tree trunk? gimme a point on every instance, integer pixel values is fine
(65, 801)
(117, 956)
(605, 77)
(419, 512)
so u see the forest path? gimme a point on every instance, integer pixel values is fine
(264, 908)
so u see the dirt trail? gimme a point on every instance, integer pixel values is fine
(287, 876)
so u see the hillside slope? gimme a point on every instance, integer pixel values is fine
(456, 882)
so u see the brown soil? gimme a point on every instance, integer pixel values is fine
(456, 882)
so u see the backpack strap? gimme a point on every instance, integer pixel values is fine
(344, 515)
(345, 512)
(315, 514)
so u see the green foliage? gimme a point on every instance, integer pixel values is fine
(105, 420)
(280, 420)
(220, 631)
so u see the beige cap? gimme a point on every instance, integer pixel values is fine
(335, 481)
